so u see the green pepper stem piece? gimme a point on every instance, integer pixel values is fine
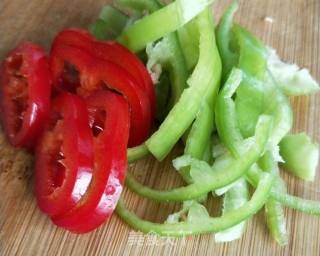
(206, 225)
(206, 74)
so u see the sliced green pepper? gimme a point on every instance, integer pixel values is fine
(300, 155)
(168, 54)
(307, 206)
(160, 23)
(273, 210)
(202, 127)
(239, 48)
(189, 38)
(110, 23)
(206, 75)
(225, 113)
(234, 198)
(250, 94)
(138, 5)
(198, 136)
(224, 37)
(203, 225)
(137, 153)
(224, 171)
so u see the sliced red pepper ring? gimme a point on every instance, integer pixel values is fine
(110, 51)
(64, 156)
(109, 118)
(97, 74)
(25, 87)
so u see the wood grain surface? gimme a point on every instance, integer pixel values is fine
(24, 230)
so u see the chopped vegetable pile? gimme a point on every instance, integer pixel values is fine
(220, 90)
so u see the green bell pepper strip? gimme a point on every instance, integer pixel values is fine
(252, 53)
(206, 225)
(189, 38)
(250, 94)
(236, 194)
(168, 54)
(110, 23)
(224, 171)
(138, 5)
(276, 221)
(136, 153)
(257, 89)
(207, 154)
(225, 113)
(202, 127)
(262, 86)
(239, 48)
(230, 135)
(206, 74)
(277, 105)
(233, 199)
(273, 210)
(300, 155)
(198, 136)
(224, 37)
(160, 23)
(307, 206)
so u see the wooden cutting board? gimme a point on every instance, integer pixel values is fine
(24, 230)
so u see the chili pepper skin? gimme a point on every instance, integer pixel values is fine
(97, 74)
(64, 156)
(109, 120)
(109, 51)
(25, 86)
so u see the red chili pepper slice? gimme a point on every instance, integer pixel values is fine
(109, 115)
(110, 51)
(25, 87)
(64, 156)
(95, 74)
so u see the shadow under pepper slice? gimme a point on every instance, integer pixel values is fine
(25, 86)
(109, 120)
(95, 74)
(64, 156)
